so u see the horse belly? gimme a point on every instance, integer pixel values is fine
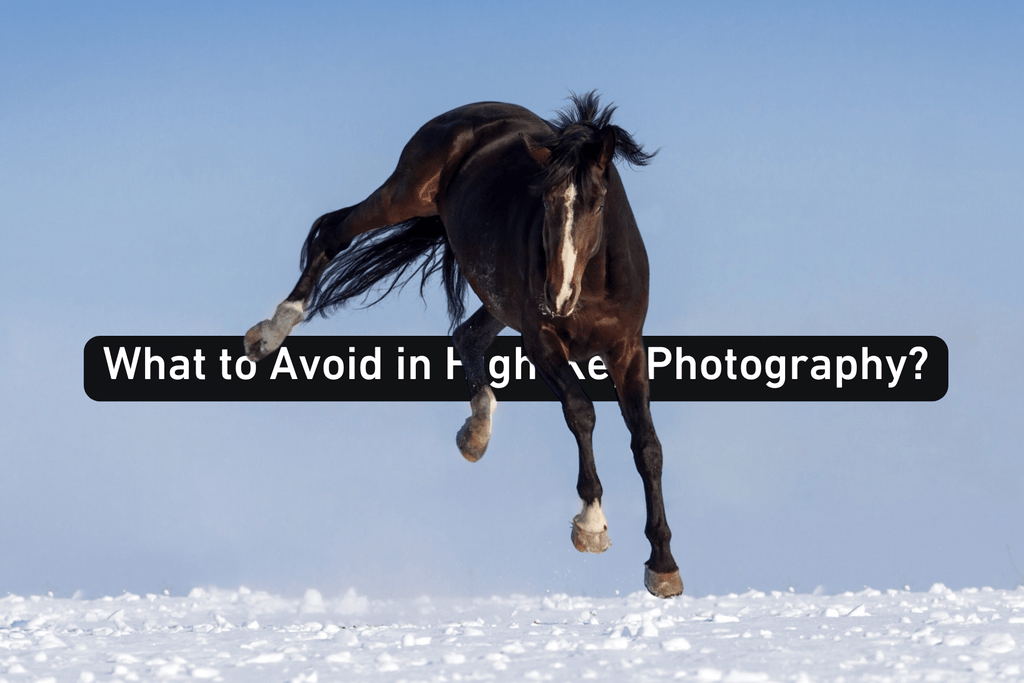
(491, 268)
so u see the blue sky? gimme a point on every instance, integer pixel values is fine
(822, 170)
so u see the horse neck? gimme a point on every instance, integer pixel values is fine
(622, 252)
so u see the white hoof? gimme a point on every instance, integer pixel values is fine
(265, 337)
(475, 434)
(590, 530)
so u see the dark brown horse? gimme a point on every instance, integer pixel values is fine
(533, 215)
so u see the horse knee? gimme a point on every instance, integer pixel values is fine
(580, 416)
(460, 337)
(327, 234)
(331, 244)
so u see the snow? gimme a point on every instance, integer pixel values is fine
(244, 635)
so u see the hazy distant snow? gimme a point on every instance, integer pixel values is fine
(244, 635)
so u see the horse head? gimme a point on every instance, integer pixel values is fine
(575, 176)
(573, 226)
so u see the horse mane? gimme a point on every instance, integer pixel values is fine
(577, 141)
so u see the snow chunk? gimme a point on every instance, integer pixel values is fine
(563, 601)
(999, 643)
(50, 642)
(267, 658)
(556, 644)
(745, 677)
(676, 644)
(410, 640)
(169, 670)
(386, 663)
(312, 602)
(204, 672)
(352, 603)
(339, 658)
(649, 630)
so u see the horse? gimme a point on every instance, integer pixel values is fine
(533, 215)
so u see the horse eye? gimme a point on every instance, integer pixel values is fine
(600, 208)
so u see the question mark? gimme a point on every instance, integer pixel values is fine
(924, 357)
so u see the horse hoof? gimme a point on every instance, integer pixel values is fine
(589, 541)
(473, 438)
(475, 434)
(264, 338)
(667, 585)
(256, 346)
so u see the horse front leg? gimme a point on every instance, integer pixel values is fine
(472, 339)
(629, 372)
(589, 527)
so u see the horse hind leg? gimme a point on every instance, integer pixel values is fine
(325, 240)
(266, 336)
(472, 338)
(394, 202)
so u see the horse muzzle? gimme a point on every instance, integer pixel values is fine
(558, 303)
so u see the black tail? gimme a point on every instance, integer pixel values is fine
(389, 254)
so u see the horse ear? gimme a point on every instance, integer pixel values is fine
(540, 154)
(607, 149)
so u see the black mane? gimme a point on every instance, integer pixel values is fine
(578, 137)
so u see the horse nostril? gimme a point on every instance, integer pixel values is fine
(570, 300)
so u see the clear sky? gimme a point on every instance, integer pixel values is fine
(823, 169)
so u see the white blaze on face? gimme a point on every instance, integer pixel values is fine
(568, 254)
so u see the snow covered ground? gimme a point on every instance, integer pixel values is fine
(245, 635)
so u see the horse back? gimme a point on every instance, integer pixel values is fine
(438, 151)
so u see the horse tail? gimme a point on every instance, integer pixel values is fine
(387, 259)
